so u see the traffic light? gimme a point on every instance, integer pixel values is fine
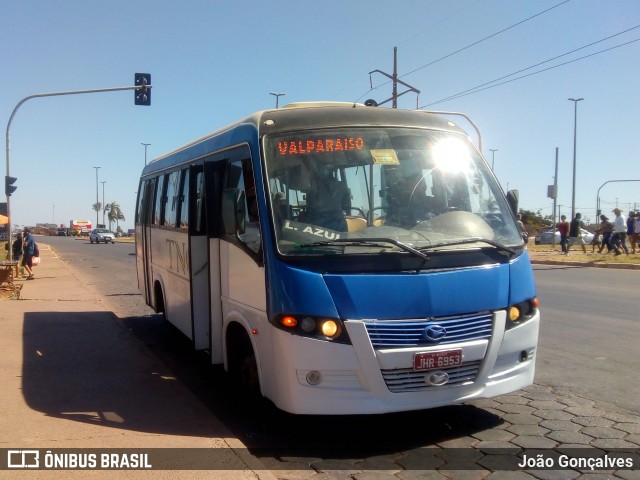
(8, 185)
(142, 95)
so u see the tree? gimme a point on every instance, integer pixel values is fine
(534, 220)
(114, 214)
(97, 207)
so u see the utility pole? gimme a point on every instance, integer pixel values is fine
(277, 95)
(493, 156)
(145, 152)
(97, 201)
(103, 205)
(555, 198)
(395, 81)
(575, 140)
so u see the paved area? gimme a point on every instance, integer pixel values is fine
(541, 422)
(74, 377)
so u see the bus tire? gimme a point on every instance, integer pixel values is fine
(243, 366)
(158, 304)
(249, 374)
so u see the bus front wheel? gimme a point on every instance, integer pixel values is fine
(243, 366)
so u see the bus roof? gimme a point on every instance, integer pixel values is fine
(303, 115)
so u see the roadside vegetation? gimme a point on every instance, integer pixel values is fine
(549, 252)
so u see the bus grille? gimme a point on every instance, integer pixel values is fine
(413, 333)
(408, 380)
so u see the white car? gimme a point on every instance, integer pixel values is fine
(547, 238)
(101, 235)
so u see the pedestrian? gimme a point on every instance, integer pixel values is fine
(29, 249)
(631, 234)
(16, 248)
(575, 234)
(606, 230)
(636, 230)
(523, 230)
(595, 242)
(619, 239)
(563, 228)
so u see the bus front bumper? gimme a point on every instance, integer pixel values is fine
(316, 377)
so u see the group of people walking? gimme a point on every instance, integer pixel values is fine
(611, 235)
(23, 250)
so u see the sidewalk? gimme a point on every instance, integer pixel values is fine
(74, 377)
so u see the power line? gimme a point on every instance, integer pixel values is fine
(479, 89)
(468, 46)
(541, 63)
(487, 38)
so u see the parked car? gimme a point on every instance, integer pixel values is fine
(546, 237)
(101, 235)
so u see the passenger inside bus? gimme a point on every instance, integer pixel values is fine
(327, 201)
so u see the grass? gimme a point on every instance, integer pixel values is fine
(548, 252)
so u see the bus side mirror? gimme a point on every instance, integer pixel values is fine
(513, 197)
(233, 211)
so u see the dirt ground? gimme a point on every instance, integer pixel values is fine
(6, 293)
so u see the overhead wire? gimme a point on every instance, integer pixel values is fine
(492, 83)
(468, 46)
(485, 38)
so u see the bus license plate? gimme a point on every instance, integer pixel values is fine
(443, 359)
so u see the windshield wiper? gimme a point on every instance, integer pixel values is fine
(465, 241)
(373, 242)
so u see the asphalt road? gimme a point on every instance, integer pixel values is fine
(590, 332)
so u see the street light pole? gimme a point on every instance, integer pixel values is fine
(575, 137)
(493, 156)
(145, 152)
(277, 95)
(97, 201)
(103, 201)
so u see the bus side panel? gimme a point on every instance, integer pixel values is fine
(170, 270)
(243, 296)
(216, 306)
(199, 259)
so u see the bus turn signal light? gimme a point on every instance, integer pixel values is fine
(289, 321)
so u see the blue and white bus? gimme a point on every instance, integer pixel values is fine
(341, 259)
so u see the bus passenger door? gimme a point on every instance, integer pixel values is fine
(147, 209)
(199, 255)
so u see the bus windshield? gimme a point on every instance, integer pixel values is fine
(356, 190)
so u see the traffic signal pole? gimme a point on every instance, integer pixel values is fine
(142, 87)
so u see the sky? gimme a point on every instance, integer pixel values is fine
(213, 62)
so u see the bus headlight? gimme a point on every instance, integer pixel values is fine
(329, 328)
(521, 312)
(321, 328)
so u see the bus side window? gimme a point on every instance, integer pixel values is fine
(183, 200)
(240, 175)
(199, 221)
(158, 203)
(171, 199)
